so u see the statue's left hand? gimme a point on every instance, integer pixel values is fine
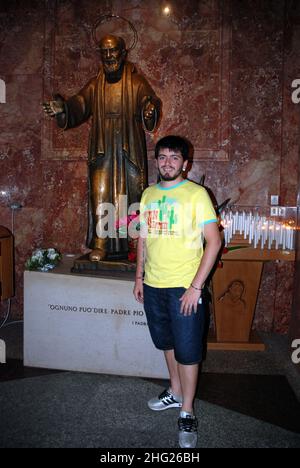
(149, 111)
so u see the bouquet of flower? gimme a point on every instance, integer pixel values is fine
(130, 225)
(43, 260)
(131, 221)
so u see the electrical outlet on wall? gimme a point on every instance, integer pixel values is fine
(281, 211)
(274, 211)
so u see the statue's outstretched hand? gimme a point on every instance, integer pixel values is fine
(53, 108)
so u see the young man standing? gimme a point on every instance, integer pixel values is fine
(176, 216)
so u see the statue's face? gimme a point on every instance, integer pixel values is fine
(112, 54)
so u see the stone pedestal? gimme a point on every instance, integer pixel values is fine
(89, 324)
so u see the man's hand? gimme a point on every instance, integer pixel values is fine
(138, 290)
(149, 110)
(53, 108)
(189, 301)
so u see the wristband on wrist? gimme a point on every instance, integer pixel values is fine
(198, 289)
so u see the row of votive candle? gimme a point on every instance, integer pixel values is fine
(262, 232)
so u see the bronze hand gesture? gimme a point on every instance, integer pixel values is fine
(54, 107)
(149, 110)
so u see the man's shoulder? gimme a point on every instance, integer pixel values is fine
(194, 188)
(197, 193)
(149, 190)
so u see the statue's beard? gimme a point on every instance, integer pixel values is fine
(113, 70)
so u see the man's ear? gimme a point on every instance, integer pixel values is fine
(185, 165)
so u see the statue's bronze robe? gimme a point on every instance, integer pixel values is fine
(117, 149)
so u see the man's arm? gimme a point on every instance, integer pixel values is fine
(190, 298)
(138, 290)
(213, 245)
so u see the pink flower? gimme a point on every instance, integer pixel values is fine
(126, 220)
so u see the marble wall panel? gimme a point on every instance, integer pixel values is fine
(223, 70)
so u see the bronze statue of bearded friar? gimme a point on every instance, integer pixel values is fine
(122, 106)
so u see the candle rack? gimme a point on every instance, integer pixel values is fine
(256, 228)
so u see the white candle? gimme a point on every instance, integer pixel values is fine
(273, 232)
(292, 238)
(255, 234)
(230, 228)
(283, 237)
(246, 231)
(262, 237)
(270, 236)
(266, 233)
(250, 232)
(289, 237)
(277, 236)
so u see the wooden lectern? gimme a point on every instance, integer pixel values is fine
(6, 264)
(235, 291)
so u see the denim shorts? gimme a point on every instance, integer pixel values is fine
(169, 328)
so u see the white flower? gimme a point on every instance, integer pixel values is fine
(38, 254)
(52, 255)
(43, 259)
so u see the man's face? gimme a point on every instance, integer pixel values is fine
(170, 164)
(112, 54)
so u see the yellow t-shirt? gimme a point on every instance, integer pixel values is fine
(172, 221)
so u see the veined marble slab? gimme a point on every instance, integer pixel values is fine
(87, 324)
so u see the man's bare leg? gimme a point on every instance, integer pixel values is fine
(188, 375)
(173, 371)
(183, 380)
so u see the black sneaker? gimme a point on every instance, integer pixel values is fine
(187, 424)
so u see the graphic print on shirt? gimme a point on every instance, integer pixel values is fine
(162, 217)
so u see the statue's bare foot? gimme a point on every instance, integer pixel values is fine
(97, 255)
